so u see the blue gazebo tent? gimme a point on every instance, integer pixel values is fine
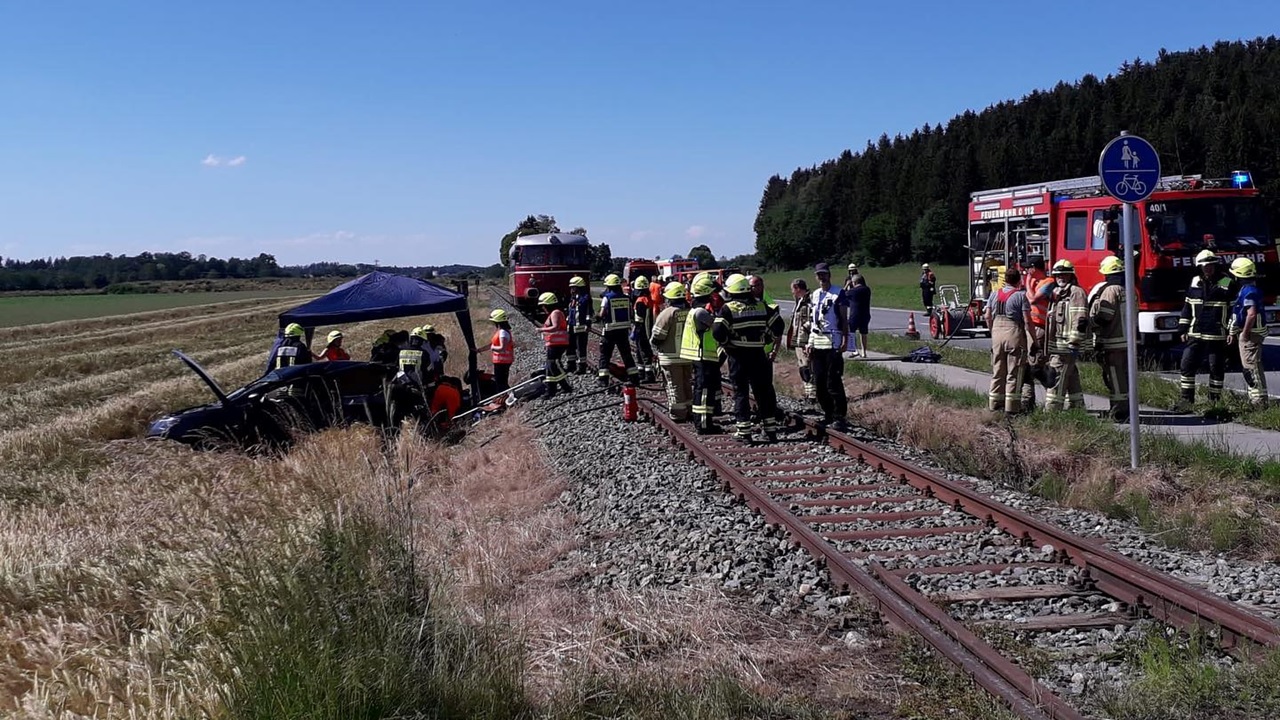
(380, 296)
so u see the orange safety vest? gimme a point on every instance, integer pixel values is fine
(502, 352)
(1039, 305)
(555, 331)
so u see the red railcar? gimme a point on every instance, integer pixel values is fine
(544, 263)
(1075, 220)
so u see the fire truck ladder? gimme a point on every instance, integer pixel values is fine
(1083, 186)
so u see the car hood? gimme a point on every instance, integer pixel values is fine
(203, 375)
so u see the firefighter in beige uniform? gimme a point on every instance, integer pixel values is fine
(1249, 328)
(665, 338)
(1068, 325)
(1106, 317)
(1009, 317)
(798, 335)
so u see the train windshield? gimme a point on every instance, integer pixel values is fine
(571, 255)
(1232, 223)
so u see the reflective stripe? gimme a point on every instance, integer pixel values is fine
(617, 311)
(695, 345)
(410, 359)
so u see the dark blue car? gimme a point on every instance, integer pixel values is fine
(269, 411)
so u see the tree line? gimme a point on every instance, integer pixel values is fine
(136, 273)
(1208, 110)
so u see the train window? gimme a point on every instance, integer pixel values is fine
(568, 255)
(1077, 230)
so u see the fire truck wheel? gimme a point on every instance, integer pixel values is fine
(935, 328)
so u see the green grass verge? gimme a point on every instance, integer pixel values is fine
(1153, 390)
(35, 309)
(1185, 677)
(895, 286)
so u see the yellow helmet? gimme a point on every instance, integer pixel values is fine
(547, 298)
(334, 335)
(924, 266)
(641, 283)
(1111, 265)
(498, 316)
(419, 333)
(737, 284)
(429, 328)
(294, 330)
(612, 281)
(1243, 267)
(853, 267)
(673, 291)
(577, 281)
(703, 285)
(1205, 257)
(1064, 267)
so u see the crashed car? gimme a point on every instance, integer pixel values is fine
(269, 411)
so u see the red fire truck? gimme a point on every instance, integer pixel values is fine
(1076, 220)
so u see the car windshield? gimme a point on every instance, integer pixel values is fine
(1233, 223)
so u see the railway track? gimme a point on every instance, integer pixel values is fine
(901, 536)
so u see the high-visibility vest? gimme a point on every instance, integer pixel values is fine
(1039, 304)
(747, 324)
(287, 355)
(502, 348)
(695, 345)
(670, 325)
(615, 308)
(824, 331)
(555, 331)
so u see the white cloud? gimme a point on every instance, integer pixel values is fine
(638, 235)
(695, 232)
(212, 160)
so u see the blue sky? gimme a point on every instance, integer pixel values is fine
(420, 132)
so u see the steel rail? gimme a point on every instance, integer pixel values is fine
(1142, 587)
(893, 599)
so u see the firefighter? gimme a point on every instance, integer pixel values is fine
(641, 326)
(699, 346)
(1203, 324)
(1009, 317)
(418, 360)
(657, 286)
(384, 350)
(666, 338)
(333, 350)
(1249, 328)
(1106, 317)
(741, 327)
(292, 349)
(578, 316)
(555, 336)
(1065, 334)
(615, 318)
(928, 288)
(798, 335)
(502, 350)
(827, 331)
(440, 352)
(1040, 290)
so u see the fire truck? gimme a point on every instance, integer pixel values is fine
(1076, 220)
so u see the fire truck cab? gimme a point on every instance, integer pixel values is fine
(1076, 220)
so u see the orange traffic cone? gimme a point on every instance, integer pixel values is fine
(912, 332)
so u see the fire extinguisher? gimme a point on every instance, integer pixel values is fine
(630, 407)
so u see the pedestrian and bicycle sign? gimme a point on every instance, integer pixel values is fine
(1129, 168)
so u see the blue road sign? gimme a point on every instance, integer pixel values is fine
(1129, 168)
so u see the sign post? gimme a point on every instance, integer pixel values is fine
(1129, 168)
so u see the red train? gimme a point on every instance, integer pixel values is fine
(544, 263)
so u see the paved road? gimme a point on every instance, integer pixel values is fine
(894, 321)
